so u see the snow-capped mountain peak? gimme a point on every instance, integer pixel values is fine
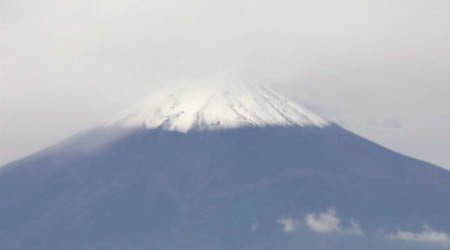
(218, 107)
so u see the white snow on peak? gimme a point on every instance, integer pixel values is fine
(212, 108)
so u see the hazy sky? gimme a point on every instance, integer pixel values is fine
(377, 67)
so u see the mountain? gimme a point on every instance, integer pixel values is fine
(231, 167)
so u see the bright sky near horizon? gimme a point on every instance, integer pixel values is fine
(377, 67)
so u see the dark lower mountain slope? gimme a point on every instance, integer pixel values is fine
(154, 189)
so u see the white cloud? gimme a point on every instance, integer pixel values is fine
(328, 222)
(288, 224)
(324, 222)
(428, 235)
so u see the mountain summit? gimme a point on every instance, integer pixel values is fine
(218, 107)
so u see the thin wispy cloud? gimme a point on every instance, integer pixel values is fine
(323, 222)
(254, 226)
(428, 235)
(289, 224)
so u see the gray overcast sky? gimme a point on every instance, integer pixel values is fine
(378, 67)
